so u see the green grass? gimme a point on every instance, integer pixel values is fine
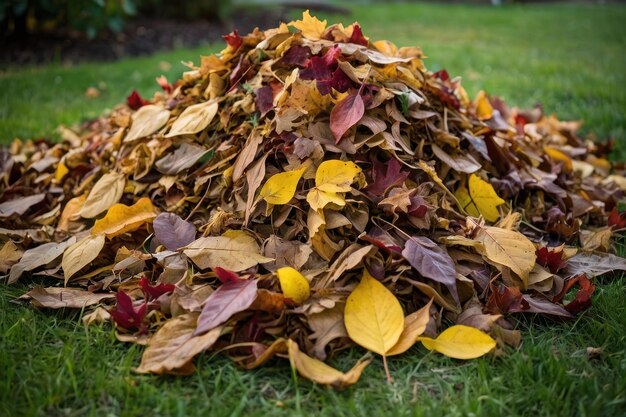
(570, 58)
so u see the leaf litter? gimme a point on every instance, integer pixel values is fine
(305, 190)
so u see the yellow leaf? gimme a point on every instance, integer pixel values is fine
(414, 326)
(173, 346)
(482, 198)
(293, 284)
(70, 212)
(373, 316)
(106, 192)
(146, 121)
(80, 254)
(484, 111)
(310, 26)
(121, 218)
(333, 177)
(336, 176)
(194, 119)
(460, 342)
(61, 172)
(508, 248)
(280, 188)
(320, 373)
(559, 156)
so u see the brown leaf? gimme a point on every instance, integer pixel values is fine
(55, 297)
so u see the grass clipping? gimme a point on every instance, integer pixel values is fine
(305, 190)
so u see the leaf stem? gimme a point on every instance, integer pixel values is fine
(387, 373)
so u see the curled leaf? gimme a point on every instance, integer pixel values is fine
(293, 284)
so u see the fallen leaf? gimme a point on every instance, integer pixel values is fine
(229, 299)
(81, 254)
(147, 120)
(310, 26)
(194, 119)
(20, 205)
(346, 114)
(55, 297)
(38, 256)
(122, 219)
(234, 250)
(414, 325)
(460, 342)
(280, 188)
(9, 256)
(181, 159)
(171, 349)
(293, 284)
(106, 192)
(172, 231)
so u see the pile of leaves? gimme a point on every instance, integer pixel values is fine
(306, 190)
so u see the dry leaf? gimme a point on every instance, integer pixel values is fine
(106, 192)
(81, 254)
(460, 342)
(122, 219)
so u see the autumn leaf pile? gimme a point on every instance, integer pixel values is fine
(304, 191)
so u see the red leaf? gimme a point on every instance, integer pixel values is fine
(264, 99)
(225, 275)
(162, 81)
(152, 292)
(346, 114)
(357, 36)
(322, 68)
(419, 206)
(125, 315)
(227, 300)
(172, 231)
(617, 219)
(385, 175)
(233, 40)
(135, 101)
(297, 55)
(504, 299)
(550, 258)
(442, 75)
(339, 81)
(431, 261)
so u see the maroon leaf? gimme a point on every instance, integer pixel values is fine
(550, 258)
(166, 86)
(225, 275)
(339, 81)
(227, 300)
(126, 315)
(617, 219)
(322, 68)
(297, 55)
(504, 299)
(135, 101)
(346, 114)
(357, 36)
(172, 231)
(431, 261)
(582, 299)
(264, 99)
(385, 175)
(419, 206)
(233, 40)
(152, 292)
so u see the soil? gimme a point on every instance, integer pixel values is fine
(140, 37)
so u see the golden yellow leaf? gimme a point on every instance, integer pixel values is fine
(320, 373)
(280, 188)
(310, 26)
(484, 111)
(373, 316)
(70, 212)
(559, 156)
(147, 120)
(414, 326)
(61, 171)
(509, 248)
(460, 342)
(194, 119)
(106, 192)
(333, 177)
(481, 199)
(172, 348)
(80, 254)
(293, 284)
(121, 218)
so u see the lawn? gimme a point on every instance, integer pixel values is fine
(570, 58)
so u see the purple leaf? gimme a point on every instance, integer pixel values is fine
(172, 231)
(339, 81)
(346, 114)
(264, 99)
(229, 299)
(432, 261)
(297, 55)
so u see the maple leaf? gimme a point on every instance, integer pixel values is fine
(135, 101)
(233, 40)
(551, 258)
(152, 292)
(126, 315)
(385, 175)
